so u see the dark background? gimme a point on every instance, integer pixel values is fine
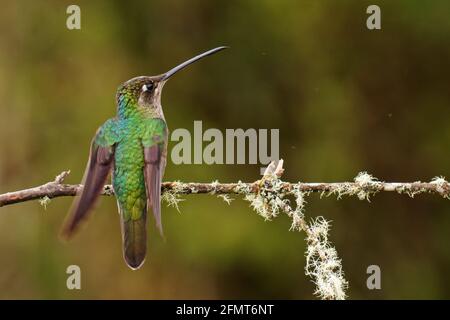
(346, 99)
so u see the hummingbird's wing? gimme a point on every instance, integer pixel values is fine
(99, 165)
(155, 142)
(152, 174)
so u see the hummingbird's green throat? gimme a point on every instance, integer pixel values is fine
(133, 145)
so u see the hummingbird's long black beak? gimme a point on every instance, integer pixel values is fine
(183, 65)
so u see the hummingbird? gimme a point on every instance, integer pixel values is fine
(133, 145)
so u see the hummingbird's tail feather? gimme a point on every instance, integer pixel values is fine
(134, 238)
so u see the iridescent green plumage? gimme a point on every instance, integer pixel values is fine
(134, 146)
(139, 126)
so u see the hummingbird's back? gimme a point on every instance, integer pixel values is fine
(129, 187)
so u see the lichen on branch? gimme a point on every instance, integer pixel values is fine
(269, 197)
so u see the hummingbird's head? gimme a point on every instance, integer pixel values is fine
(141, 91)
(145, 92)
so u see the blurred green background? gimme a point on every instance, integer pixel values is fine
(345, 99)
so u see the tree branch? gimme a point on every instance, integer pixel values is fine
(267, 197)
(363, 186)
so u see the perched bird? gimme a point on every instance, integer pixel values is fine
(134, 146)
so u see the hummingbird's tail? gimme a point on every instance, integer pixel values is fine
(134, 236)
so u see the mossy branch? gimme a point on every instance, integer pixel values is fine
(268, 197)
(363, 186)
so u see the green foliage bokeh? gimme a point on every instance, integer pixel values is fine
(345, 99)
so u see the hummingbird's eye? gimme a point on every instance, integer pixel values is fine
(147, 87)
